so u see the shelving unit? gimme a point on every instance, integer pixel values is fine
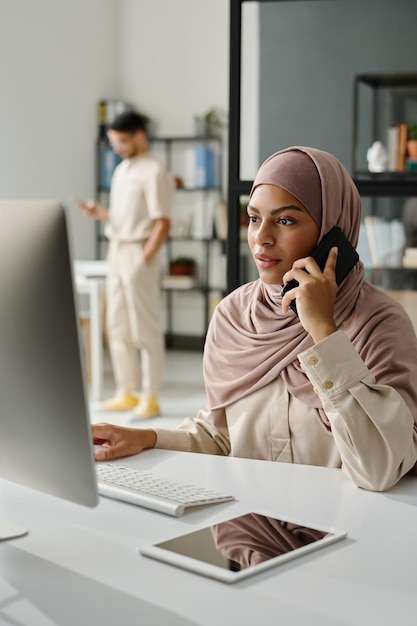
(193, 232)
(203, 290)
(381, 101)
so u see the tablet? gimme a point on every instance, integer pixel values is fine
(242, 546)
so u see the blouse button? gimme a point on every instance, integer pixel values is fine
(313, 360)
(328, 384)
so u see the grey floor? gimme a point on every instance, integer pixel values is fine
(182, 396)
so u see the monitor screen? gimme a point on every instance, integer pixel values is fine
(45, 438)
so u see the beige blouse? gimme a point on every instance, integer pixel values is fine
(141, 191)
(372, 431)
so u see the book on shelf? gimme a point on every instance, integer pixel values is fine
(392, 142)
(189, 168)
(371, 236)
(398, 145)
(386, 240)
(220, 220)
(204, 167)
(203, 218)
(402, 147)
(108, 161)
(200, 168)
(363, 248)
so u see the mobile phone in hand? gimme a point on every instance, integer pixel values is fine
(346, 259)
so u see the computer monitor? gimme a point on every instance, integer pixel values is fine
(45, 437)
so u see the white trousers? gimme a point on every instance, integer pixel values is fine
(133, 318)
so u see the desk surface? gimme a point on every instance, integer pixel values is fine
(91, 269)
(81, 566)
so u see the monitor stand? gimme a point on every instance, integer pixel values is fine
(10, 530)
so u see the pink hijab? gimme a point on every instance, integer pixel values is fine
(250, 342)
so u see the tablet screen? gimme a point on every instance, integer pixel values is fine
(241, 544)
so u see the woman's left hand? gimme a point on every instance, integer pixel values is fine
(315, 294)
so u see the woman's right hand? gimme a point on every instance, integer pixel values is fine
(315, 294)
(119, 441)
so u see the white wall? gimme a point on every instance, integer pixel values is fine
(58, 58)
(174, 59)
(249, 124)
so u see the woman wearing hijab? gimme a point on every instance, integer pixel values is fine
(334, 385)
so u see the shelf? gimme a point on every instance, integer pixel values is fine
(386, 183)
(191, 239)
(194, 189)
(185, 139)
(216, 188)
(388, 80)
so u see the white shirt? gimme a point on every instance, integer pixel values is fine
(141, 191)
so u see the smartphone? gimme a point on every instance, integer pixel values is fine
(346, 259)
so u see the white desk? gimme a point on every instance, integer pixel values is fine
(90, 279)
(80, 566)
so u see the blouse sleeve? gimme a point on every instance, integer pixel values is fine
(206, 433)
(372, 426)
(159, 191)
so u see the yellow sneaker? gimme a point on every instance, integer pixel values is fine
(148, 407)
(126, 402)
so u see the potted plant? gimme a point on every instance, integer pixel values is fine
(182, 266)
(412, 141)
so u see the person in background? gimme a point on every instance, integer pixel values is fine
(137, 225)
(335, 385)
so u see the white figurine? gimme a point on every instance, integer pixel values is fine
(377, 157)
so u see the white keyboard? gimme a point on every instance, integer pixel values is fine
(153, 492)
